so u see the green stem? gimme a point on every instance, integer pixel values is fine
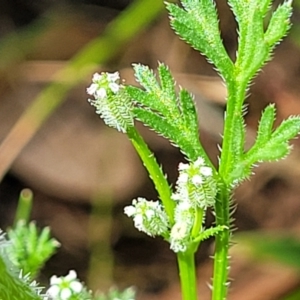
(198, 222)
(236, 95)
(221, 261)
(187, 273)
(24, 206)
(155, 172)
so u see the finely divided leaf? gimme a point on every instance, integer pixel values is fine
(167, 81)
(279, 24)
(188, 111)
(270, 145)
(266, 124)
(146, 78)
(287, 130)
(156, 122)
(197, 23)
(170, 115)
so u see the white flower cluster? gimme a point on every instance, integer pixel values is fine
(196, 185)
(196, 189)
(113, 106)
(64, 288)
(148, 216)
(180, 235)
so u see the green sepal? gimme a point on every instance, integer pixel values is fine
(197, 23)
(279, 24)
(210, 232)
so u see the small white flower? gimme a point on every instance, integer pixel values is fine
(183, 166)
(195, 184)
(206, 171)
(183, 178)
(197, 179)
(179, 231)
(113, 77)
(111, 101)
(62, 288)
(114, 87)
(129, 210)
(148, 216)
(92, 89)
(97, 77)
(100, 93)
(199, 162)
(184, 213)
(179, 237)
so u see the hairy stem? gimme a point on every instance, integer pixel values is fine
(221, 262)
(236, 94)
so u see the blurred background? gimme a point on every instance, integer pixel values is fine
(82, 173)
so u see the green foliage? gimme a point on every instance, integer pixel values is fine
(159, 107)
(29, 249)
(210, 232)
(13, 285)
(270, 144)
(197, 23)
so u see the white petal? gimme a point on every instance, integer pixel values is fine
(197, 179)
(97, 77)
(130, 210)
(183, 178)
(55, 280)
(53, 291)
(101, 93)
(179, 231)
(199, 162)
(114, 87)
(92, 89)
(149, 214)
(65, 294)
(183, 166)
(206, 171)
(71, 276)
(76, 286)
(112, 77)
